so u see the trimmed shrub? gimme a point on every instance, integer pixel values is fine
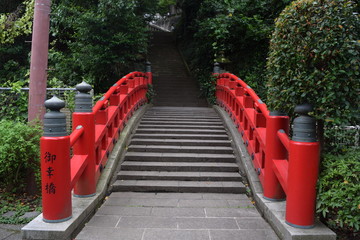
(19, 152)
(315, 57)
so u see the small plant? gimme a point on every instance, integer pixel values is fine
(150, 94)
(18, 205)
(338, 199)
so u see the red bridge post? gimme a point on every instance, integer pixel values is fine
(148, 72)
(304, 157)
(274, 150)
(84, 116)
(55, 164)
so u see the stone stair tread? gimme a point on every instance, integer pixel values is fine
(182, 126)
(178, 115)
(181, 136)
(180, 142)
(180, 119)
(174, 122)
(179, 166)
(178, 186)
(188, 131)
(164, 175)
(182, 149)
(193, 164)
(178, 157)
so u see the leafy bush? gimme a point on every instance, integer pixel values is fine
(232, 32)
(19, 152)
(14, 103)
(315, 57)
(338, 199)
(16, 23)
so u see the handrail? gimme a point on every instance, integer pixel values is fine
(249, 90)
(75, 161)
(286, 168)
(76, 134)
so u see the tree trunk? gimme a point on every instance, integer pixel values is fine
(39, 60)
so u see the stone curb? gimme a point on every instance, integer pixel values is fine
(273, 212)
(84, 208)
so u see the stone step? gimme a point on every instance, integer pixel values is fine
(194, 116)
(176, 115)
(180, 149)
(179, 131)
(179, 176)
(180, 142)
(174, 122)
(178, 186)
(179, 166)
(189, 126)
(180, 109)
(181, 136)
(178, 157)
(181, 119)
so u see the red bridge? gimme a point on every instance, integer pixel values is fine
(174, 170)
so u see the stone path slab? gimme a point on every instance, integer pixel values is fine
(177, 216)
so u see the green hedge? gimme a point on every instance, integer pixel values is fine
(315, 57)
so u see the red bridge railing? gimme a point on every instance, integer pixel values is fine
(286, 168)
(75, 161)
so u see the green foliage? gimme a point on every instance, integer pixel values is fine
(150, 94)
(19, 151)
(19, 204)
(207, 85)
(234, 33)
(98, 41)
(315, 57)
(15, 29)
(13, 24)
(14, 102)
(338, 199)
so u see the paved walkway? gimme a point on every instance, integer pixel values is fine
(177, 216)
(10, 231)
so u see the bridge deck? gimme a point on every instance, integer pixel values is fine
(178, 181)
(187, 216)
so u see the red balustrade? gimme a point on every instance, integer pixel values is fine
(95, 132)
(286, 168)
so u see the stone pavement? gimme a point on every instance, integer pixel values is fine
(10, 231)
(177, 216)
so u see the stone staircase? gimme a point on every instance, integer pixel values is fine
(180, 149)
(172, 84)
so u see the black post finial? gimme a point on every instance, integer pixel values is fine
(304, 126)
(148, 66)
(54, 120)
(83, 99)
(216, 68)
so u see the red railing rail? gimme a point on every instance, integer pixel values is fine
(75, 161)
(286, 168)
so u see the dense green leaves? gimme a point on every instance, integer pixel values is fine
(98, 42)
(315, 57)
(338, 198)
(16, 23)
(19, 152)
(234, 33)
